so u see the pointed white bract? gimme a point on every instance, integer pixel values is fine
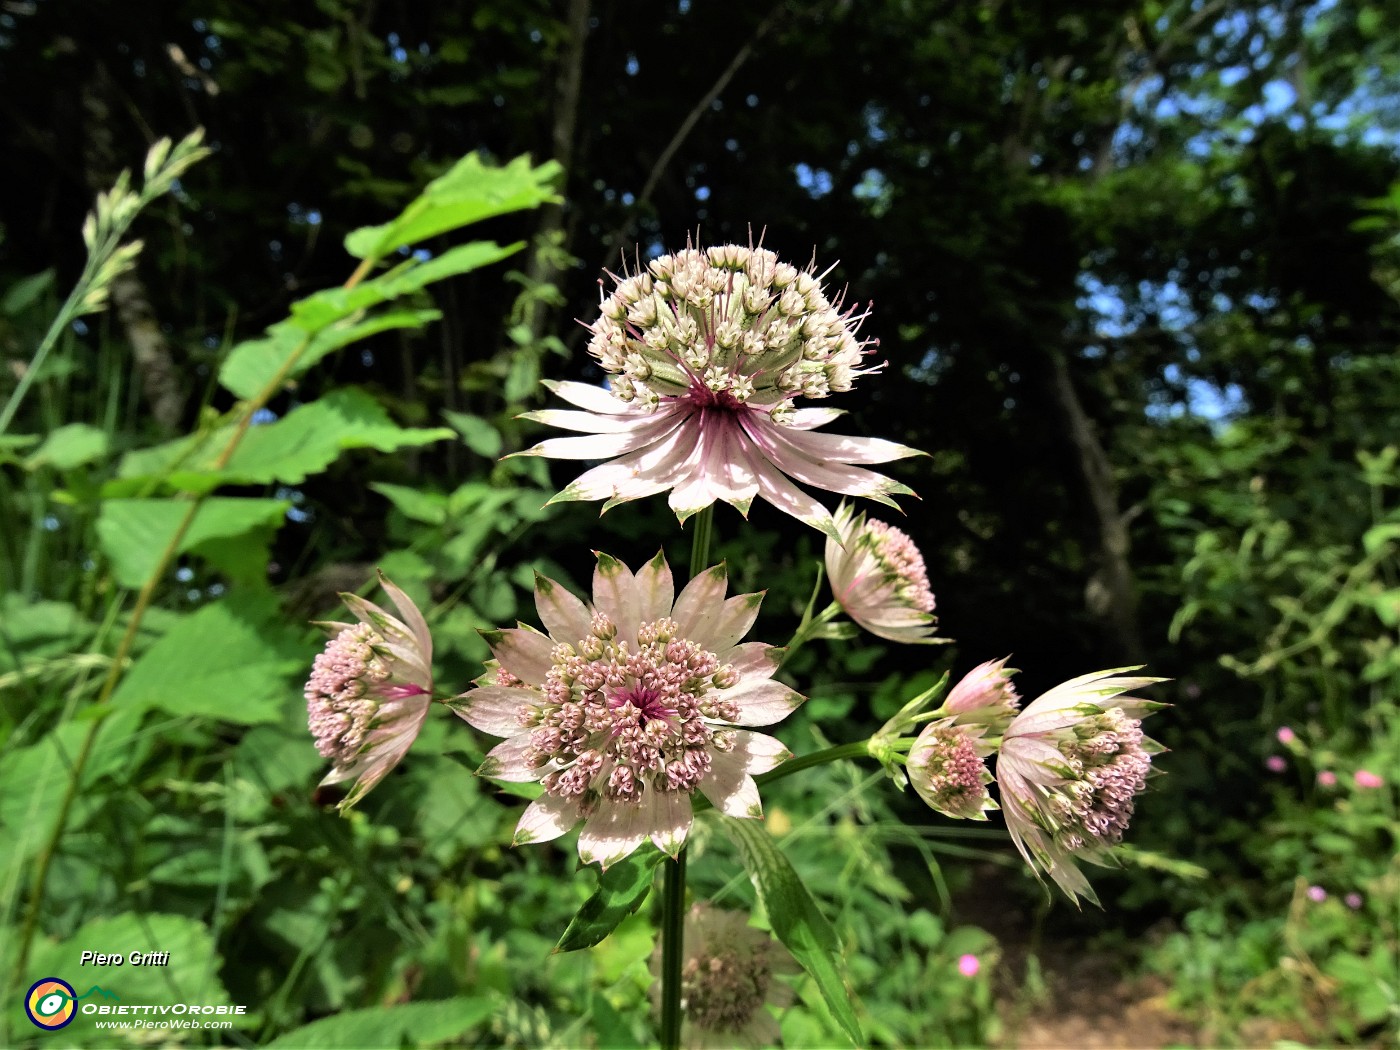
(706, 351)
(984, 697)
(370, 690)
(1069, 767)
(878, 576)
(629, 706)
(727, 971)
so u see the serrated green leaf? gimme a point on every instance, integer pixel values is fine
(408, 1024)
(796, 919)
(69, 446)
(333, 318)
(469, 192)
(252, 365)
(189, 976)
(308, 440)
(621, 891)
(134, 532)
(232, 661)
(462, 259)
(33, 780)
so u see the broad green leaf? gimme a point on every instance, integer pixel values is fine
(190, 975)
(334, 318)
(134, 532)
(462, 259)
(33, 779)
(467, 193)
(610, 1027)
(69, 446)
(621, 890)
(233, 661)
(408, 1024)
(796, 919)
(480, 436)
(308, 440)
(427, 507)
(36, 629)
(275, 758)
(252, 365)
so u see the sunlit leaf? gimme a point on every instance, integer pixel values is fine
(134, 532)
(621, 891)
(407, 1024)
(469, 192)
(232, 661)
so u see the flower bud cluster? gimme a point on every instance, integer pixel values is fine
(947, 769)
(729, 325)
(902, 563)
(1106, 765)
(342, 693)
(616, 723)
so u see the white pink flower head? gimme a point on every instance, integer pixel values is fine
(1069, 768)
(878, 576)
(627, 707)
(727, 972)
(947, 766)
(370, 690)
(707, 350)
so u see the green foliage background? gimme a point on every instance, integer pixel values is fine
(1135, 274)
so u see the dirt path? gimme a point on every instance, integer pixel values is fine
(1054, 995)
(1086, 1005)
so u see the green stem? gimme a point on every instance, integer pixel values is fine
(809, 628)
(796, 764)
(860, 749)
(673, 891)
(672, 938)
(700, 545)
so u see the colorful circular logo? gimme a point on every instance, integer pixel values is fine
(50, 1003)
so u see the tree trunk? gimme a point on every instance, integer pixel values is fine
(1110, 593)
(568, 86)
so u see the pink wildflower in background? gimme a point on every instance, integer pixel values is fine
(969, 965)
(1069, 768)
(1275, 763)
(985, 696)
(1353, 901)
(878, 576)
(727, 972)
(707, 350)
(370, 691)
(1317, 894)
(1366, 779)
(1327, 778)
(1286, 735)
(626, 708)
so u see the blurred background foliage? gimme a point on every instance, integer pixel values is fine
(1136, 272)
